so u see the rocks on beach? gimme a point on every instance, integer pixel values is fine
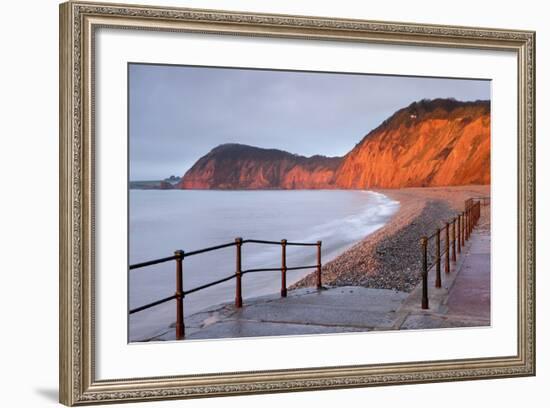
(390, 258)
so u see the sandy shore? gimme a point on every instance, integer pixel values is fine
(390, 257)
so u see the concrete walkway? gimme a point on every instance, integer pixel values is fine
(464, 298)
(471, 294)
(462, 301)
(303, 311)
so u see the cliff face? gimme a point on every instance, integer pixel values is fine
(236, 166)
(429, 143)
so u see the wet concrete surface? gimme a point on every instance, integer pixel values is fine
(435, 321)
(303, 311)
(471, 294)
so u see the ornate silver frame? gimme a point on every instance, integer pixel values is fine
(78, 22)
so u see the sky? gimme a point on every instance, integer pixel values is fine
(177, 114)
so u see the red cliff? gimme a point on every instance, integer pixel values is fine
(236, 166)
(429, 143)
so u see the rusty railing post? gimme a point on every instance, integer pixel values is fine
(459, 225)
(466, 236)
(471, 223)
(466, 226)
(180, 325)
(283, 267)
(453, 233)
(447, 249)
(319, 266)
(459, 232)
(438, 258)
(463, 230)
(424, 244)
(238, 273)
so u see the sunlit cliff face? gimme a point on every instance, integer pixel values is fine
(429, 143)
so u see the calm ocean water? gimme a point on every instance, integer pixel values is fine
(162, 221)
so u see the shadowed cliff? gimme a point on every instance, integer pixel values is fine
(236, 166)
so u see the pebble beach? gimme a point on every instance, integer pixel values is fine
(390, 257)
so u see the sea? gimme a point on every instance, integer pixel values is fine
(162, 221)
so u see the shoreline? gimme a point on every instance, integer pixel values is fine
(389, 257)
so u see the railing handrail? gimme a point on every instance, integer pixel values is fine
(261, 241)
(462, 226)
(152, 262)
(180, 255)
(481, 199)
(214, 248)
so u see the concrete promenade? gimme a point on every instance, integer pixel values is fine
(462, 301)
(464, 298)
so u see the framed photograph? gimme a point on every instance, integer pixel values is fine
(256, 203)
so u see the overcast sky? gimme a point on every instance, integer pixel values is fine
(178, 113)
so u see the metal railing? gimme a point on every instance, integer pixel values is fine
(484, 201)
(456, 232)
(180, 255)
